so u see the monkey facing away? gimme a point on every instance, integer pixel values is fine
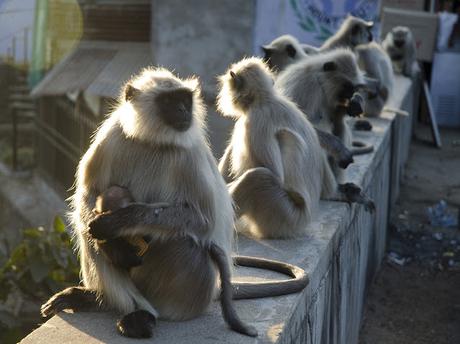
(375, 62)
(274, 165)
(324, 87)
(153, 145)
(352, 32)
(400, 46)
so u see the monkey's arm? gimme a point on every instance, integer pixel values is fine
(267, 154)
(335, 148)
(224, 165)
(352, 193)
(149, 219)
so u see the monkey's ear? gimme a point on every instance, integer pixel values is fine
(329, 66)
(237, 79)
(131, 92)
(291, 50)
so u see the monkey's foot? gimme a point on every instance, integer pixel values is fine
(74, 298)
(363, 125)
(137, 324)
(354, 194)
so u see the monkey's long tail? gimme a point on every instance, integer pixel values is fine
(360, 147)
(253, 290)
(228, 312)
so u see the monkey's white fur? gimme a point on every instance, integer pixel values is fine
(275, 151)
(315, 91)
(376, 63)
(403, 57)
(345, 38)
(135, 150)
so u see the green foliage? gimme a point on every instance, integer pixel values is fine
(34, 264)
(321, 31)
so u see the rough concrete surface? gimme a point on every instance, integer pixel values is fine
(419, 302)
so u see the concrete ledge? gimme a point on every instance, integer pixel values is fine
(341, 253)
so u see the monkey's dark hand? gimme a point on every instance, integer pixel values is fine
(355, 107)
(111, 224)
(354, 194)
(145, 219)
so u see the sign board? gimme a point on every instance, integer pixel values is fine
(310, 21)
(413, 5)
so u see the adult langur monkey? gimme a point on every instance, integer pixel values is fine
(279, 54)
(324, 87)
(353, 32)
(275, 167)
(376, 63)
(153, 151)
(399, 43)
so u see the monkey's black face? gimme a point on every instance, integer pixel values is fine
(369, 35)
(399, 43)
(175, 108)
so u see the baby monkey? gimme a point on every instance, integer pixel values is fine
(122, 252)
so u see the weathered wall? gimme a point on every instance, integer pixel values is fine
(341, 254)
(196, 40)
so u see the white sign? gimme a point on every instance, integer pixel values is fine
(310, 21)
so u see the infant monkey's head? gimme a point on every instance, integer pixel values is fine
(112, 199)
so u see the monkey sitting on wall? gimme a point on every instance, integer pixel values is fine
(154, 145)
(324, 87)
(375, 62)
(279, 54)
(353, 32)
(274, 165)
(400, 45)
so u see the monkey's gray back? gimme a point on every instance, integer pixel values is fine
(304, 163)
(376, 63)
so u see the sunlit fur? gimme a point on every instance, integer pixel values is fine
(146, 126)
(406, 63)
(344, 38)
(156, 164)
(273, 154)
(315, 91)
(279, 57)
(376, 63)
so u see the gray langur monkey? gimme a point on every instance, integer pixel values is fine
(279, 54)
(400, 46)
(352, 32)
(310, 49)
(282, 52)
(154, 146)
(324, 87)
(274, 166)
(375, 63)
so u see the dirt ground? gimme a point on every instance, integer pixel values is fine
(415, 299)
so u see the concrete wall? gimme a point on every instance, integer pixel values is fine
(341, 254)
(195, 40)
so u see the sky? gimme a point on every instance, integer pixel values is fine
(15, 15)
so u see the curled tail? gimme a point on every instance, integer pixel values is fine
(228, 311)
(360, 148)
(253, 290)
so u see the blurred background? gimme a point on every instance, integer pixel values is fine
(62, 63)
